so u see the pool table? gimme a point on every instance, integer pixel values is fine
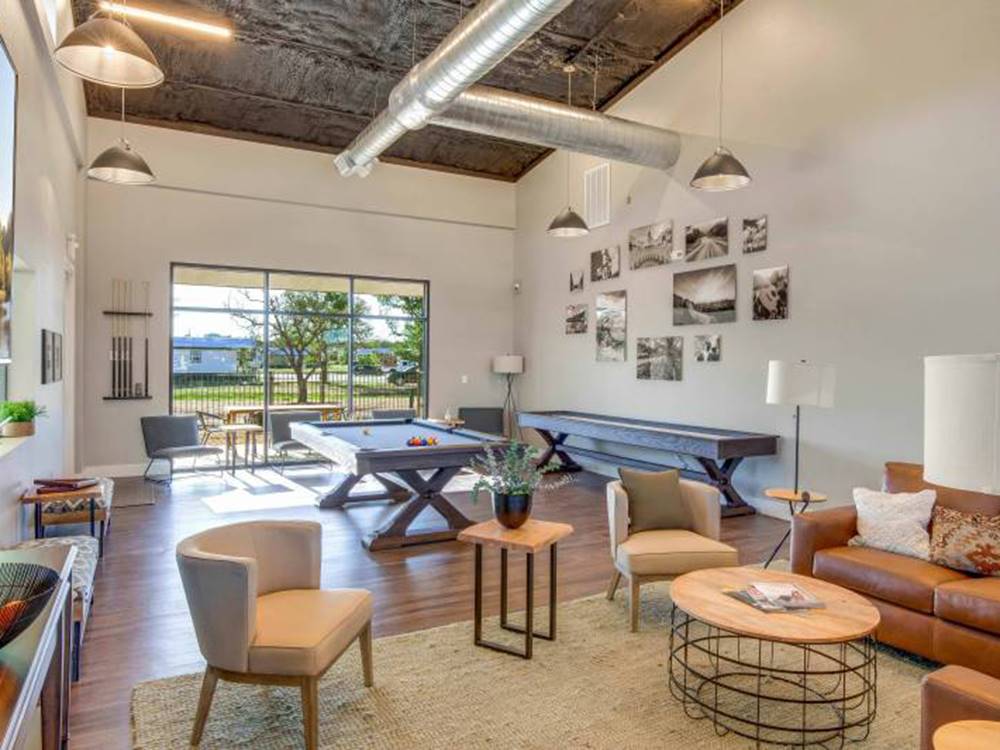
(416, 475)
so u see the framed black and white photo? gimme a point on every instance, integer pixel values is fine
(576, 280)
(611, 327)
(576, 318)
(755, 234)
(652, 245)
(770, 293)
(708, 348)
(707, 240)
(660, 358)
(606, 264)
(57, 357)
(705, 296)
(47, 371)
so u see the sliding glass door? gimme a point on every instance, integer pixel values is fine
(245, 342)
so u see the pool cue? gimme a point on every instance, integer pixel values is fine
(111, 353)
(145, 360)
(129, 388)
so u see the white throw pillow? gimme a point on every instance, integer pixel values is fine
(894, 522)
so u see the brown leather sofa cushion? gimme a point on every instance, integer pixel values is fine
(974, 602)
(902, 477)
(894, 578)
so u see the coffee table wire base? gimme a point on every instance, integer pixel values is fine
(794, 695)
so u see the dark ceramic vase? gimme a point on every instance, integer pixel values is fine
(511, 510)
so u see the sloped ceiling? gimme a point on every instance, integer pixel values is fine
(311, 73)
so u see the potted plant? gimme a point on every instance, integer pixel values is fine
(18, 417)
(511, 477)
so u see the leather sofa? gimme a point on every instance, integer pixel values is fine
(935, 612)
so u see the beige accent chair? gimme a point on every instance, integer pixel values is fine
(663, 554)
(260, 615)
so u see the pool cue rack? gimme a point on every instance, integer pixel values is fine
(129, 354)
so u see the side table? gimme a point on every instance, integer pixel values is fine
(968, 735)
(533, 537)
(791, 497)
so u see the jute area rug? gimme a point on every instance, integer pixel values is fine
(597, 686)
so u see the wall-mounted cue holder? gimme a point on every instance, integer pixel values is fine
(129, 352)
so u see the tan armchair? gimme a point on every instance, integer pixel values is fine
(662, 554)
(260, 616)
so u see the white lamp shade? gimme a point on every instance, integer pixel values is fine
(508, 364)
(800, 384)
(962, 422)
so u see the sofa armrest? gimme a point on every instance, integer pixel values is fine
(704, 503)
(617, 516)
(956, 693)
(818, 530)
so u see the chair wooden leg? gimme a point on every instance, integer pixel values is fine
(204, 704)
(616, 577)
(310, 711)
(365, 640)
(633, 603)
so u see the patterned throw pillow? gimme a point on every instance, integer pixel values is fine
(894, 522)
(966, 541)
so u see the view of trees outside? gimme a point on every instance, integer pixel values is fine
(219, 346)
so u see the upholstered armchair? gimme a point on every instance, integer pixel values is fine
(663, 554)
(260, 615)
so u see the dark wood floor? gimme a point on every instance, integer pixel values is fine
(140, 628)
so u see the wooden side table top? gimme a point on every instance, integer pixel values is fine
(32, 496)
(237, 427)
(791, 496)
(533, 536)
(968, 735)
(846, 617)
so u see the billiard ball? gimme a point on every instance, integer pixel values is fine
(366, 431)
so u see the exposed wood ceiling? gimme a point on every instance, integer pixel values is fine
(311, 73)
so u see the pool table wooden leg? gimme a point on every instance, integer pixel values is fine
(392, 533)
(339, 494)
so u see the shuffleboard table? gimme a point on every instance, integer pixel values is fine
(717, 452)
(415, 474)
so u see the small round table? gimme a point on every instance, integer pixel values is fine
(803, 678)
(805, 497)
(232, 433)
(967, 735)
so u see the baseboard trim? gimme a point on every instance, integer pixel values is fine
(114, 470)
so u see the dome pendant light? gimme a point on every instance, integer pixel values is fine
(568, 223)
(121, 164)
(721, 171)
(107, 51)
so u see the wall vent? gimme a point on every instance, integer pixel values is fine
(597, 195)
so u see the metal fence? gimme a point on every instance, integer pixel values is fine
(213, 393)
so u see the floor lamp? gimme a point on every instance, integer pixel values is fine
(962, 422)
(800, 384)
(509, 365)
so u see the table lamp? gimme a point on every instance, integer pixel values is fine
(509, 365)
(800, 384)
(962, 422)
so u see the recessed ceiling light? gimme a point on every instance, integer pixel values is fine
(152, 15)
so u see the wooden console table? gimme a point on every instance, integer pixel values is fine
(35, 667)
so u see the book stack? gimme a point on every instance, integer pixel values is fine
(776, 597)
(55, 486)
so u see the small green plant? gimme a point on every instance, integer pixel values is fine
(508, 471)
(20, 411)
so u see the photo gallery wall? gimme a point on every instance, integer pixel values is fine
(703, 295)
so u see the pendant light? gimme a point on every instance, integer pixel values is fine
(121, 164)
(721, 171)
(568, 223)
(107, 51)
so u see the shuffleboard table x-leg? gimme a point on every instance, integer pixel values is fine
(554, 449)
(425, 491)
(720, 476)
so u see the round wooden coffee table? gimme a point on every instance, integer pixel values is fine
(805, 678)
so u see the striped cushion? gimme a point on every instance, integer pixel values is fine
(72, 506)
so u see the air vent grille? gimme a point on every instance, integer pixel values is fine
(597, 195)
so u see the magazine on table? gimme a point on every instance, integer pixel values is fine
(776, 597)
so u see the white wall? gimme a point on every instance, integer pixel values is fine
(222, 201)
(870, 131)
(51, 129)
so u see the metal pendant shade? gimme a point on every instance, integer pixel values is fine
(121, 165)
(721, 171)
(568, 224)
(108, 52)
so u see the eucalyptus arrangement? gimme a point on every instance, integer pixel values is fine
(511, 476)
(18, 417)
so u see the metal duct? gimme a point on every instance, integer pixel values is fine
(487, 35)
(490, 111)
